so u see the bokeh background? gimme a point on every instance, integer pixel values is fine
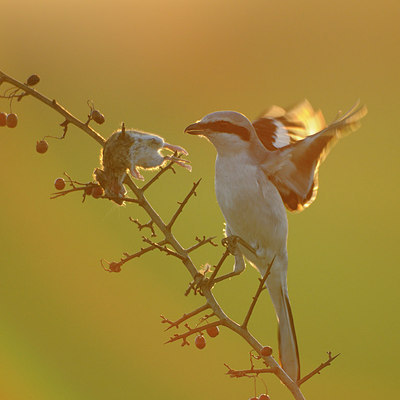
(70, 330)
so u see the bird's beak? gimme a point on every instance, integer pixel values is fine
(195, 129)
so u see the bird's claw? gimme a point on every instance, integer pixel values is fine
(232, 242)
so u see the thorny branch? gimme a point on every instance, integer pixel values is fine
(183, 204)
(174, 248)
(183, 318)
(261, 287)
(318, 369)
(202, 242)
(140, 226)
(249, 373)
(192, 331)
(116, 266)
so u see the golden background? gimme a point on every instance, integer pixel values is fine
(69, 330)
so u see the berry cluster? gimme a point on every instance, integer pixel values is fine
(200, 340)
(90, 189)
(9, 120)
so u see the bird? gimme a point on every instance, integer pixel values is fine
(131, 149)
(264, 167)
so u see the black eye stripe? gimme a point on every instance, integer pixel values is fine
(227, 127)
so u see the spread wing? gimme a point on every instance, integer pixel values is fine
(277, 127)
(294, 168)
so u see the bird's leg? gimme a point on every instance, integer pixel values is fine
(232, 244)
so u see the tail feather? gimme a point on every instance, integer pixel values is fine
(288, 348)
(287, 340)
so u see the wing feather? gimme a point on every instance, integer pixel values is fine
(294, 168)
(277, 127)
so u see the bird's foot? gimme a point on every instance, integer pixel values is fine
(232, 242)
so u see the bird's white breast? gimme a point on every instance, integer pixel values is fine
(251, 205)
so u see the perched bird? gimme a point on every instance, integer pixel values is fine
(261, 167)
(128, 149)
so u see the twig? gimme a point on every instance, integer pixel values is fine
(245, 372)
(318, 369)
(162, 170)
(257, 295)
(218, 267)
(55, 106)
(183, 318)
(202, 242)
(142, 226)
(192, 331)
(183, 204)
(164, 249)
(60, 193)
(128, 257)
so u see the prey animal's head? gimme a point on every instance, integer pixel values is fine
(228, 131)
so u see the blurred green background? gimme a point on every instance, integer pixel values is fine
(70, 330)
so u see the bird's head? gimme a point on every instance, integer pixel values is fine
(228, 131)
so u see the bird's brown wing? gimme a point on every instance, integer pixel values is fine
(294, 168)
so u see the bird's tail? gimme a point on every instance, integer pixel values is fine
(288, 349)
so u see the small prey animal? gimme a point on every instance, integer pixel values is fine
(129, 149)
(262, 167)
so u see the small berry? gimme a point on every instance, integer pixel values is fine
(88, 190)
(33, 80)
(12, 120)
(59, 184)
(97, 116)
(264, 397)
(266, 351)
(3, 119)
(213, 331)
(200, 342)
(42, 146)
(115, 267)
(97, 192)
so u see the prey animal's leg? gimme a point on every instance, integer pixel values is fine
(174, 148)
(182, 163)
(135, 173)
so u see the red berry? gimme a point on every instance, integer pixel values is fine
(12, 120)
(97, 192)
(42, 146)
(3, 119)
(200, 342)
(264, 397)
(115, 267)
(213, 331)
(33, 80)
(97, 116)
(266, 351)
(88, 190)
(59, 184)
